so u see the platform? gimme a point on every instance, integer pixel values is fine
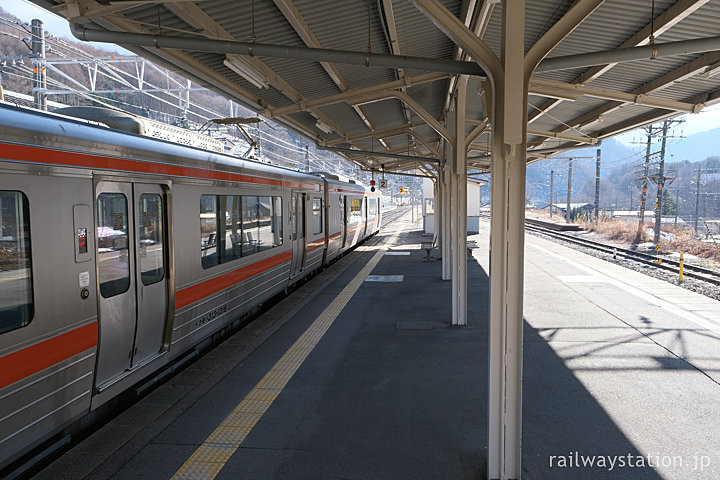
(614, 365)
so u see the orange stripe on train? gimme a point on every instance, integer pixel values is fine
(192, 294)
(24, 153)
(38, 357)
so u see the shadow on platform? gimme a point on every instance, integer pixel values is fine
(404, 395)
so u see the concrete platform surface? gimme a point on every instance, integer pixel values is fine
(391, 391)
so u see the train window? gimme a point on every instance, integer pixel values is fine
(270, 222)
(317, 218)
(251, 225)
(208, 230)
(231, 235)
(277, 221)
(151, 238)
(373, 207)
(16, 305)
(113, 248)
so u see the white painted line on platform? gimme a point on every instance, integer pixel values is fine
(579, 279)
(652, 299)
(397, 253)
(385, 278)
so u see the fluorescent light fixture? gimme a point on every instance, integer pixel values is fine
(324, 127)
(239, 65)
(712, 70)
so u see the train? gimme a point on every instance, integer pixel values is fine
(120, 253)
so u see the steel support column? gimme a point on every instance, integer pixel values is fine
(436, 207)
(458, 225)
(507, 248)
(446, 235)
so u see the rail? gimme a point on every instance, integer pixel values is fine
(392, 215)
(689, 270)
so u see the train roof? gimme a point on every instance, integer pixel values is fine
(26, 126)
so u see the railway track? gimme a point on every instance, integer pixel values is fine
(394, 214)
(689, 270)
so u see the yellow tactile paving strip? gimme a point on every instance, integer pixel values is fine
(207, 461)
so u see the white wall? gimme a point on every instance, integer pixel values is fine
(473, 205)
(473, 199)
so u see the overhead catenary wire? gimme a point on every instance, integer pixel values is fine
(115, 72)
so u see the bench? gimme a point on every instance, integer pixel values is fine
(428, 247)
(471, 245)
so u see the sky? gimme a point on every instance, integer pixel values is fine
(54, 24)
(708, 119)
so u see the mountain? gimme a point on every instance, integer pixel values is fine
(612, 154)
(694, 148)
(621, 167)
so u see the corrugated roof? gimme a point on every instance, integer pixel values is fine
(351, 25)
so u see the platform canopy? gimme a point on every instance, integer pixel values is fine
(390, 84)
(377, 76)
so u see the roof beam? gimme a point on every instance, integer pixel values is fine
(572, 138)
(687, 70)
(351, 95)
(666, 20)
(385, 133)
(405, 158)
(193, 15)
(577, 13)
(658, 26)
(394, 44)
(296, 20)
(475, 133)
(476, 17)
(654, 116)
(461, 35)
(637, 121)
(196, 17)
(429, 144)
(647, 52)
(416, 107)
(573, 91)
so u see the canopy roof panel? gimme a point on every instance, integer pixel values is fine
(402, 108)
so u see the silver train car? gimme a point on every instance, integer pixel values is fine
(120, 253)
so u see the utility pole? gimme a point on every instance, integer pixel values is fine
(567, 209)
(38, 52)
(412, 207)
(552, 177)
(660, 180)
(569, 192)
(697, 198)
(643, 188)
(660, 184)
(677, 205)
(597, 186)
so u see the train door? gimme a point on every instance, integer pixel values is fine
(343, 221)
(366, 216)
(297, 219)
(132, 275)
